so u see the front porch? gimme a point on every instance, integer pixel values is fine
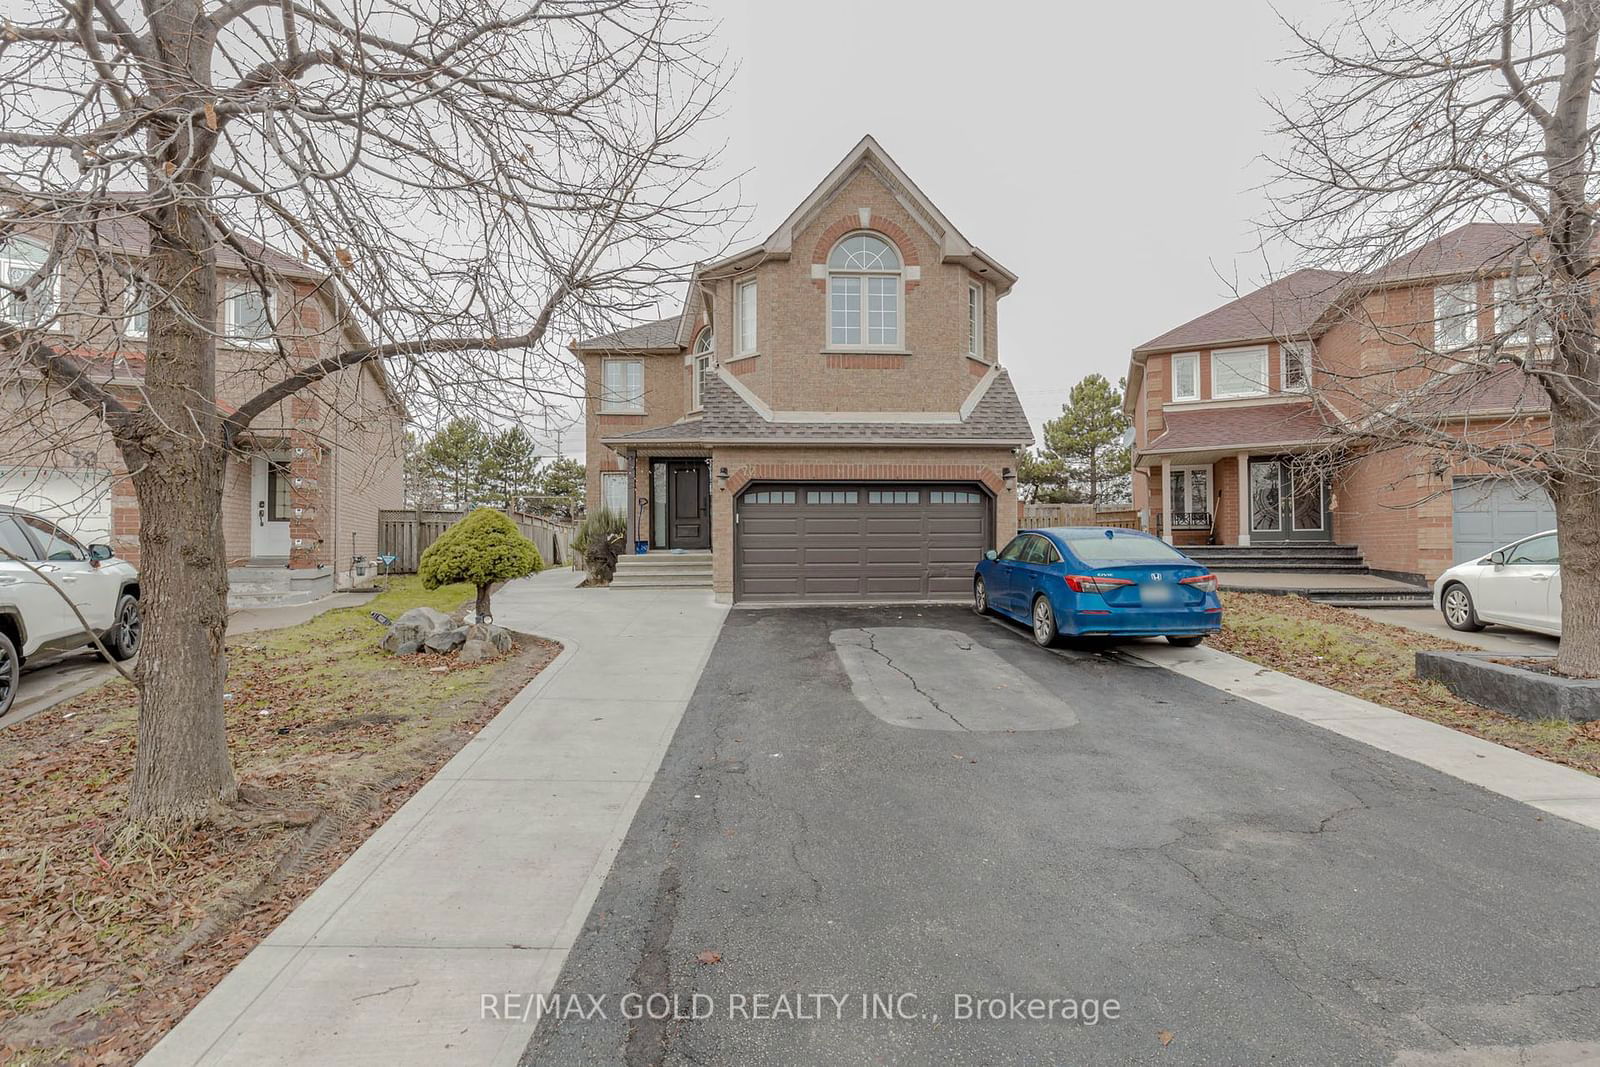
(1237, 498)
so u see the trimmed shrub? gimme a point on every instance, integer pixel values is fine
(599, 539)
(483, 548)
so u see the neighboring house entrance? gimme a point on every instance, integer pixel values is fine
(1287, 504)
(1491, 512)
(688, 503)
(885, 541)
(269, 492)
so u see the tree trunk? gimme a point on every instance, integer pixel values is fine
(483, 601)
(1577, 500)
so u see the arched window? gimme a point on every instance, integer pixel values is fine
(699, 363)
(864, 293)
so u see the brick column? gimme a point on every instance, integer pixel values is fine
(307, 530)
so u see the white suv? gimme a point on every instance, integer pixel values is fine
(37, 620)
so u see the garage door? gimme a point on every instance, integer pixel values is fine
(859, 542)
(80, 500)
(1490, 512)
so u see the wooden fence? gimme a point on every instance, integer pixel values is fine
(406, 534)
(1047, 515)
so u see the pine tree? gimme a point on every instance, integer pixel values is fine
(1087, 437)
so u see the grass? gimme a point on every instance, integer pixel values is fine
(1375, 661)
(106, 941)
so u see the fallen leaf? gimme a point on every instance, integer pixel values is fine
(1165, 1037)
(709, 957)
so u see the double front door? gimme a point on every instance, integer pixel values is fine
(1287, 503)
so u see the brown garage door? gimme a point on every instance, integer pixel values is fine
(887, 541)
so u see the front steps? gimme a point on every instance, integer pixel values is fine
(274, 585)
(1309, 558)
(664, 569)
(1325, 573)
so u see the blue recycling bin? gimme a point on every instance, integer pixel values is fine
(641, 547)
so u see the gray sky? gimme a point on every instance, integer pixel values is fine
(1105, 152)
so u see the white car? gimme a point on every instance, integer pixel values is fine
(1518, 585)
(38, 620)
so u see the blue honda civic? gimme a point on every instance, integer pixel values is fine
(1097, 581)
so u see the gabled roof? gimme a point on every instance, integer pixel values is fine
(663, 333)
(1477, 246)
(1288, 307)
(996, 417)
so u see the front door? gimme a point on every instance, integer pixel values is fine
(689, 504)
(269, 508)
(1287, 503)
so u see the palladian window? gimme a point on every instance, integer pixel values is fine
(864, 293)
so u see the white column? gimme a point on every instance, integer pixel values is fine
(1166, 503)
(1244, 498)
(633, 500)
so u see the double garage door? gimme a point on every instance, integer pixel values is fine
(1491, 512)
(881, 541)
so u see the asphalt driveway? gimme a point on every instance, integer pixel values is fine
(885, 802)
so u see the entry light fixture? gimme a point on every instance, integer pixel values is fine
(722, 474)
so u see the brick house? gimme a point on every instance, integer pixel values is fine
(828, 416)
(302, 495)
(1229, 400)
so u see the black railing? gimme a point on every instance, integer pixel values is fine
(1191, 520)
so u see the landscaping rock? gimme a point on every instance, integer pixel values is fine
(475, 652)
(409, 633)
(1475, 676)
(446, 640)
(429, 618)
(497, 637)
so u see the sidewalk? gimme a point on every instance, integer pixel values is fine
(479, 883)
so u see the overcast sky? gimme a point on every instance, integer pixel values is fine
(1105, 152)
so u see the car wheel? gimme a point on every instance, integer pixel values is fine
(127, 626)
(1459, 614)
(1044, 622)
(980, 597)
(1186, 642)
(10, 673)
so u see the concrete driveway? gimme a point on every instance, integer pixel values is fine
(882, 802)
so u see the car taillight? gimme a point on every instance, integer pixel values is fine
(1206, 583)
(1082, 583)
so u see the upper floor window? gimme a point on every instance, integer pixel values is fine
(1455, 316)
(744, 318)
(1517, 314)
(136, 303)
(975, 321)
(864, 293)
(1296, 368)
(1239, 372)
(622, 387)
(247, 315)
(20, 261)
(1186, 376)
(699, 364)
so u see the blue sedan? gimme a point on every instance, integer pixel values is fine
(1093, 581)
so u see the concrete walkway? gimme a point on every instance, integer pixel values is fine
(477, 886)
(1492, 639)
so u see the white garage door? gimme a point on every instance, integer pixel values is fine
(80, 500)
(1490, 512)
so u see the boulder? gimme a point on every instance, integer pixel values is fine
(403, 640)
(475, 652)
(429, 619)
(496, 637)
(446, 640)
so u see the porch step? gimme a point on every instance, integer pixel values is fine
(658, 559)
(1297, 566)
(1310, 551)
(632, 579)
(1396, 597)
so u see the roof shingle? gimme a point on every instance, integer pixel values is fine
(1241, 427)
(663, 333)
(1288, 307)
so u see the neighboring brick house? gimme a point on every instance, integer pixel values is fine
(303, 494)
(1230, 399)
(828, 416)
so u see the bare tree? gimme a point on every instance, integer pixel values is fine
(1421, 116)
(451, 190)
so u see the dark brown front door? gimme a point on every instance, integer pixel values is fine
(689, 504)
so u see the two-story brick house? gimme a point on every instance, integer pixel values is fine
(828, 416)
(1224, 405)
(301, 496)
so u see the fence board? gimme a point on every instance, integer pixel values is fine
(407, 533)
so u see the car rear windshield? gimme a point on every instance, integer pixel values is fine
(1097, 549)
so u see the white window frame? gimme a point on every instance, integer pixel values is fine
(611, 478)
(1466, 293)
(230, 325)
(1219, 356)
(11, 256)
(1188, 469)
(1302, 354)
(611, 403)
(745, 319)
(130, 307)
(699, 364)
(1191, 359)
(864, 343)
(1505, 301)
(975, 300)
